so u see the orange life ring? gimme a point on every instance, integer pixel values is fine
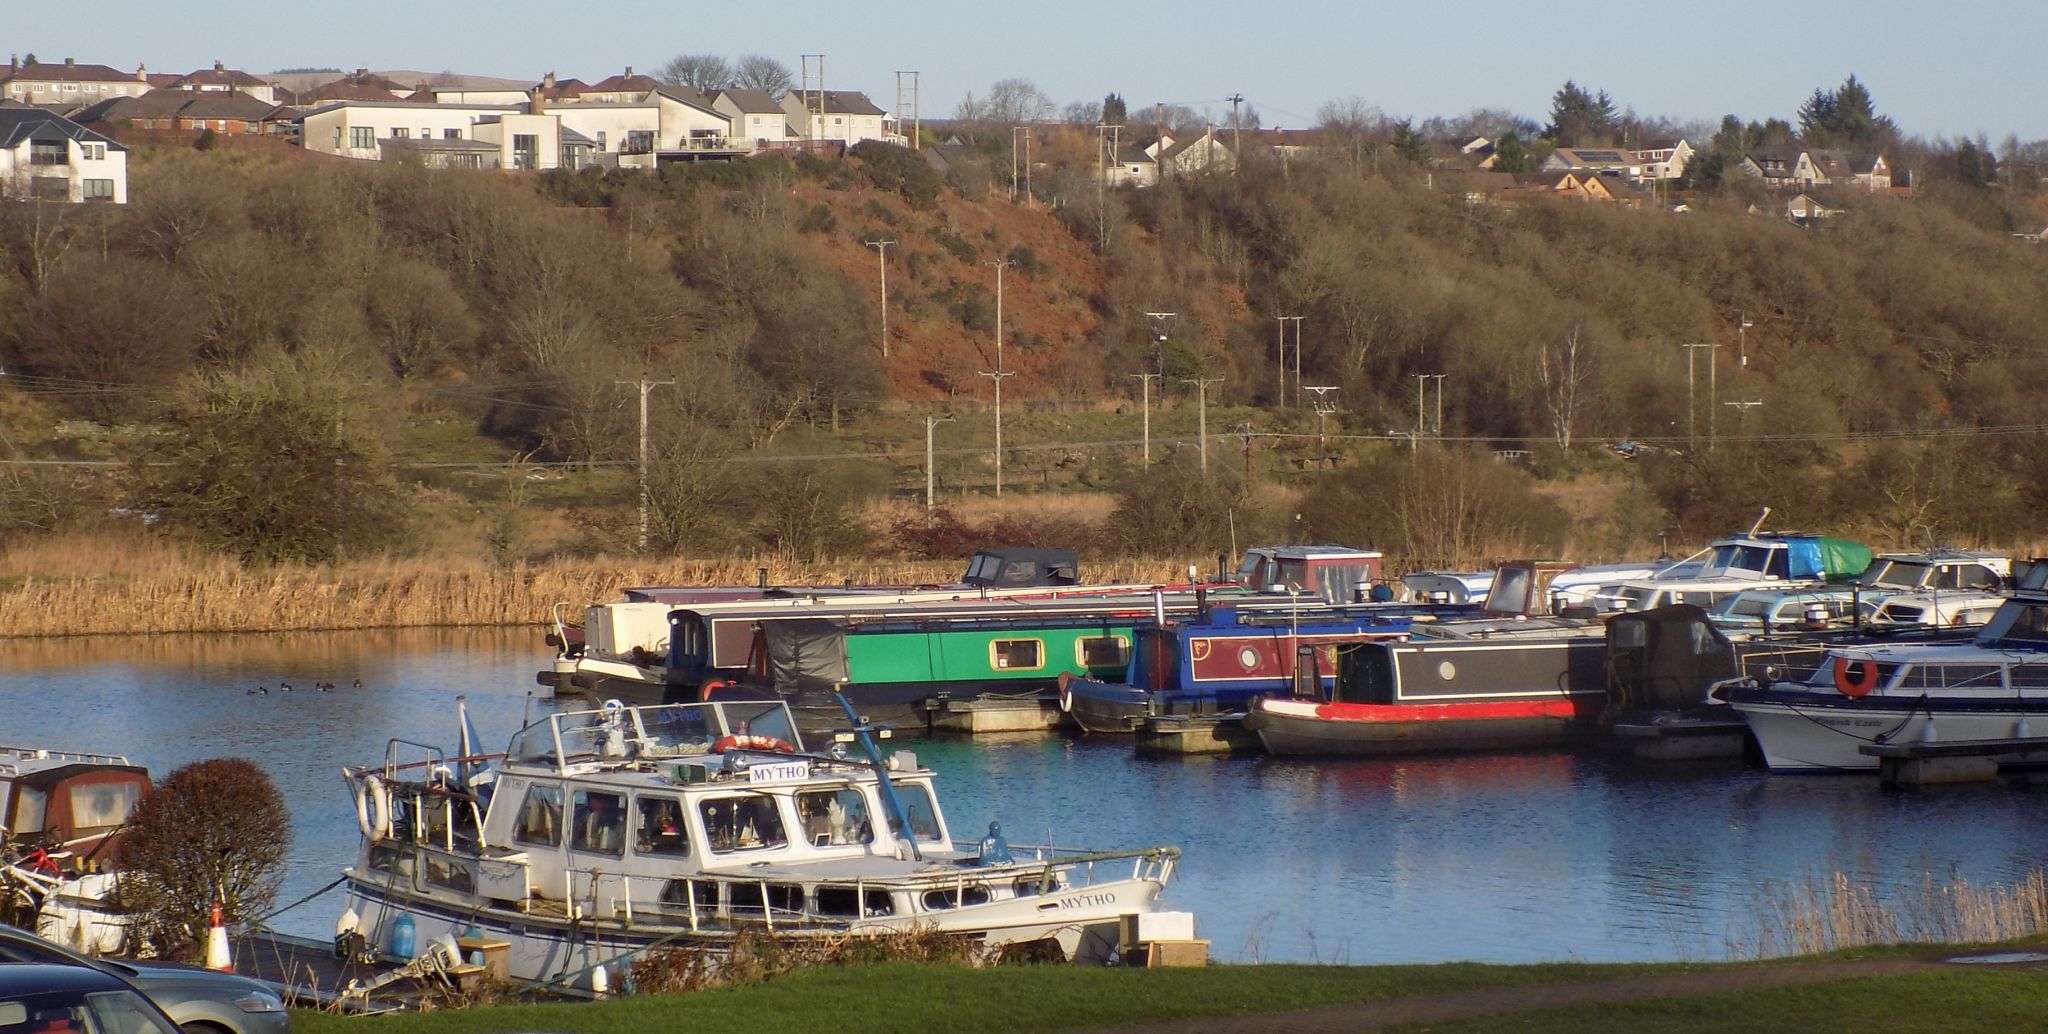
(750, 742)
(1857, 685)
(704, 691)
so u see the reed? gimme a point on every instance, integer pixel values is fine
(1840, 911)
(97, 586)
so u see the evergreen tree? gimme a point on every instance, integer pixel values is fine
(1844, 116)
(1578, 117)
(1113, 111)
(1509, 155)
(1409, 144)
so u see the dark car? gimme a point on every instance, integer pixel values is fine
(200, 1001)
(61, 998)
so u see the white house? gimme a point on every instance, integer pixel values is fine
(1592, 159)
(1784, 167)
(70, 83)
(48, 157)
(1664, 159)
(522, 138)
(640, 130)
(757, 122)
(844, 116)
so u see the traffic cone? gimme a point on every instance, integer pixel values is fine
(217, 956)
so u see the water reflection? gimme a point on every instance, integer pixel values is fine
(1504, 858)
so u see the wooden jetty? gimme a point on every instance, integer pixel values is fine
(1958, 761)
(994, 714)
(1195, 734)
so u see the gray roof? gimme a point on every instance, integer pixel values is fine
(570, 136)
(689, 96)
(18, 124)
(844, 102)
(752, 102)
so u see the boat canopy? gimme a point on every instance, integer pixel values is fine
(1830, 559)
(807, 654)
(1665, 658)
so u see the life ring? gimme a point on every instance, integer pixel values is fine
(704, 692)
(373, 808)
(751, 742)
(1859, 684)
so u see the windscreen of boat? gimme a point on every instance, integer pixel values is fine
(1746, 607)
(2018, 622)
(761, 718)
(1752, 558)
(1511, 590)
(921, 812)
(1824, 675)
(1890, 574)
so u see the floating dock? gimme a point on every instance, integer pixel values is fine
(1958, 761)
(1682, 739)
(984, 715)
(1195, 734)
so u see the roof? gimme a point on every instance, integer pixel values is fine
(219, 76)
(69, 72)
(18, 124)
(627, 83)
(346, 90)
(213, 104)
(751, 102)
(839, 102)
(570, 136)
(1580, 156)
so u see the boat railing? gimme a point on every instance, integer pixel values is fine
(696, 899)
(11, 756)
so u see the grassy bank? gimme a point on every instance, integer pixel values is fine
(1883, 990)
(90, 585)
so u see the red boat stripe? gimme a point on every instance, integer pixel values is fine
(1448, 712)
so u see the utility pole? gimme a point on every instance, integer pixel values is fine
(1014, 130)
(1439, 404)
(1202, 422)
(1325, 405)
(1236, 132)
(930, 477)
(1297, 361)
(1145, 415)
(999, 373)
(1692, 434)
(814, 101)
(882, 252)
(1743, 408)
(1419, 425)
(917, 132)
(646, 387)
(1742, 325)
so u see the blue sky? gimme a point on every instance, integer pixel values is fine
(1958, 68)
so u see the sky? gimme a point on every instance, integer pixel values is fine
(1961, 68)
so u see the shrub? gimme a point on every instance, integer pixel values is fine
(898, 168)
(212, 831)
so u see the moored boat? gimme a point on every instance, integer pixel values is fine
(600, 833)
(60, 844)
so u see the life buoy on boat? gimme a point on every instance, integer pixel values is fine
(373, 808)
(704, 693)
(1066, 692)
(1863, 681)
(751, 742)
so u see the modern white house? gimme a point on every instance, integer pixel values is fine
(668, 123)
(1664, 159)
(381, 130)
(47, 157)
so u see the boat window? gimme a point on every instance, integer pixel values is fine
(955, 897)
(747, 897)
(1344, 583)
(2029, 676)
(1106, 651)
(835, 817)
(746, 822)
(1016, 654)
(917, 808)
(449, 874)
(1747, 607)
(679, 729)
(1951, 676)
(386, 857)
(761, 718)
(659, 828)
(28, 811)
(854, 901)
(540, 817)
(600, 823)
(679, 892)
(1902, 613)
(97, 805)
(1977, 576)
(2019, 622)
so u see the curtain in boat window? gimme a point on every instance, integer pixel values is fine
(104, 804)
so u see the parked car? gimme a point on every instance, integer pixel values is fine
(200, 1001)
(60, 998)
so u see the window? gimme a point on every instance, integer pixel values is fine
(104, 804)
(118, 1012)
(525, 150)
(98, 190)
(401, 133)
(1016, 654)
(451, 134)
(28, 811)
(659, 828)
(600, 139)
(854, 901)
(835, 817)
(449, 874)
(918, 810)
(47, 152)
(639, 141)
(600, 823)
(955, 897)
(361, 138)
(748, 897)
(540, 817)
(747, 822)
(1108, 651)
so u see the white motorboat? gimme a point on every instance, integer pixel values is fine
(600, 833)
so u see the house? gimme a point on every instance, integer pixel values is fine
(1204, 153)
(621, 87)
(1664, 159)
(552, 89)
(1577, 185)
(1134, 166)
(44, 156)
(472, 89)
(70, 83)
(221, 79)
(359, 85)
(1784, 167)
(843, 116)
(1802, 208)
(188, 111)
(665, 124)
(757, 122)
(521, 137)
(1592, 159)
(1866, 172)
(1478, 187)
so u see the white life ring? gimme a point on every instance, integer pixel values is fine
(373, 808)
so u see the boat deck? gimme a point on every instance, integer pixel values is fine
(308, 971)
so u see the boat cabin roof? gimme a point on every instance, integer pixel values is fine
(1022, 565)
(615, 735)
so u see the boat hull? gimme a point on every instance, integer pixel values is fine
(1301, 727)
(1813, 732)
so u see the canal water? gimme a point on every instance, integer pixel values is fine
(1510, 858)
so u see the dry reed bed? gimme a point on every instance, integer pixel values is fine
(1840, 912)
(209, 596)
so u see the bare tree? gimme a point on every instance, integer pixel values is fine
(1563, 373)
(1082, 113)
(1011, 101)
(1348, 123)
(213, 832)
(760, 72)
(701, 72)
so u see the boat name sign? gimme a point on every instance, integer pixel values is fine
(779, 771)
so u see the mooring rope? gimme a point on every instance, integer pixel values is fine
(338, 881)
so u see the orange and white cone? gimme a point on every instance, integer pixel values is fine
(217, 956)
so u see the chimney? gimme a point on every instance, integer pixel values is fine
(13, 63)
(218, 67)
(629, 70)
(536, 102)
(547, 81)
(71, 62)
(141, 73)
